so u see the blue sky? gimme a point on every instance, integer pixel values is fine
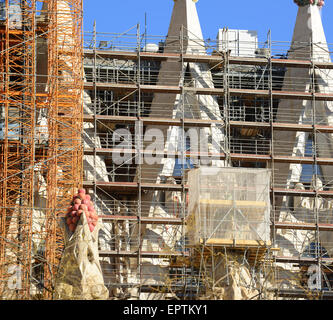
(279, 16)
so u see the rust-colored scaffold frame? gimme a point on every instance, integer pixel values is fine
(59, 160)
(17, 147)
(65, 120)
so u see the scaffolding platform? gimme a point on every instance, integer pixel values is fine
(255, 255)
(234, 243)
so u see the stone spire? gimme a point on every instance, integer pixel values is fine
(309, 28)
(185, 17)
(309, 42)
(184, 20)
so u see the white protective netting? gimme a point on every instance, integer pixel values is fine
(228, 204)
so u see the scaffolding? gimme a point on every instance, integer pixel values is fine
(145, 208)
(249, 112)
(41, 149)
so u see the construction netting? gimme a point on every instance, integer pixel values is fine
(228, 204)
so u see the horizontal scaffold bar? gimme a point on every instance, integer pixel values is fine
(305, 260)
(247, 93)
(143, 254)
(207, 123)
(214, 59)
(303, 226)
(214, 156)
(144, 220)
(129, 187)
(303, 193)
(153, 121)
(299, 293)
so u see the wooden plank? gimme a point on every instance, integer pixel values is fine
(238, 203)
(237, 243)
(299, 259)
(303, 226)
(303, 193)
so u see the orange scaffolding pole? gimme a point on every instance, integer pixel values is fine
(24, 96)
(65, 120)
(18, 70)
